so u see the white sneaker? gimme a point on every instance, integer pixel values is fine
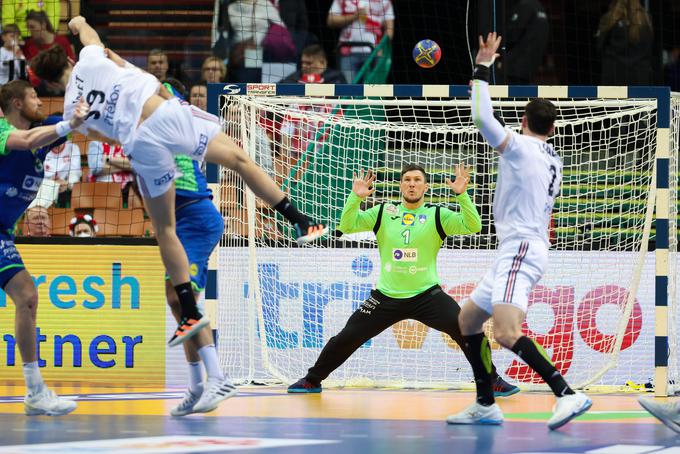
(667, 413)
(567, 408)
(187, 405)
(215, 392)
(46, 402)
(478, 414)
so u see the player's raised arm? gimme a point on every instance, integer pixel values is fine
(467, 221)
(353, 219)
(88, 36)
(482, 112)
(44, 135)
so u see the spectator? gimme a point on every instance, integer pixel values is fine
(108, 163)
(62, 164)
(526, 41)
(250, 21)
(38, 222)
(198, 96)
(361, 21)
(314, 68)
(83, 226)
(157, 64)
(213, 70)
(43, 36)
(294, 15)
(625, 41)
(12, 62)
(15, 12)
(672, 68)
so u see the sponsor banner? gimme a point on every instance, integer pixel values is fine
(101, 315)
(308, 294)
(164, 445)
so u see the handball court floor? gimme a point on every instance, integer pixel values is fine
(267, 419)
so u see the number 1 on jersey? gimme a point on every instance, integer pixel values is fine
(406, 234)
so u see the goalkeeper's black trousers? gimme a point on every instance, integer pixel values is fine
(434, 308)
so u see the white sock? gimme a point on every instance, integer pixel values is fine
(195, 376)
(34, 381)
(212, 365)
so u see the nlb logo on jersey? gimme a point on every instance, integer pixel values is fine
(405, 255)
(408, 219)
(31, 183)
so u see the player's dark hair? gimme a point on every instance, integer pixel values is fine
(409, 168)
(15, 89)
(541, 115)
(50, 64)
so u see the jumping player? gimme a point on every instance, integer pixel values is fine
(22, 153)
(529, 176)
(126, 108)
(409, 237)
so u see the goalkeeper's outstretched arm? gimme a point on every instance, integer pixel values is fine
(353, 219)
(482, 111)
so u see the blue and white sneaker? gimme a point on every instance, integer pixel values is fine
(567, 408)
(478, 415)
(304, 386)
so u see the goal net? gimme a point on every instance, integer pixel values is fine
(593, 311)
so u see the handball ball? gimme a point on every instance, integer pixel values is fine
(427, 53)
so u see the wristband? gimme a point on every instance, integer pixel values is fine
(481, 72)
(63, 128)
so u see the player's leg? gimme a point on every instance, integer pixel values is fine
(224, 151)
(375, 315)
(473, 314)
(438, 310)
(39, 399)
(515, 279)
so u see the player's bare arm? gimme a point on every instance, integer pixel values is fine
(43, 135)
(88, 36)
(482, 112)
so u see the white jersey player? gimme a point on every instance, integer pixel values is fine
(529, 176)
(127, 108)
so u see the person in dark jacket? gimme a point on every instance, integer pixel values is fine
(526, 40)
(314, 69)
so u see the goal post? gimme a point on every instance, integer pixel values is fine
(603, 311)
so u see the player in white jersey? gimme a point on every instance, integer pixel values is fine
(529, 176)
(127, 108)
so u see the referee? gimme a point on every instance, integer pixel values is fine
(409, 237)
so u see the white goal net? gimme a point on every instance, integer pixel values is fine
(593, 311)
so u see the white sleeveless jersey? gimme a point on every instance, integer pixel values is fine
(115, 95)
(529, 178)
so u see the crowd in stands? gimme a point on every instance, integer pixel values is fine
(82, 176)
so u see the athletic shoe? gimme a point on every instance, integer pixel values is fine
(667, 413)
(306, 233)
(478, 414)
(187, 328)
(215, 392)
(46, 402)
(304, 386)
(567, 408)
(503, 389)
(187, 405)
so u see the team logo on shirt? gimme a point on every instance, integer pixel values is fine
(193, 269)
(391, 209)
(11, 192)
(405, 255)
(38, 165)
(31, 183)
(408, 219)
(422, 218)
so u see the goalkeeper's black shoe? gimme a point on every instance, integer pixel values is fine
(308, 231)
(501, 388)
(187, 328)
(304, 386)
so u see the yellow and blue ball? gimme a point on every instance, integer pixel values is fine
(427, 53)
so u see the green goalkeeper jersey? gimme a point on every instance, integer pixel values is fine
(409, 240)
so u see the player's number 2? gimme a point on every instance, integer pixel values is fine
(551, 187)
(94, 96)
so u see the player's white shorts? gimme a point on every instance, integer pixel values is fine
(519, 265)
(174, 128)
